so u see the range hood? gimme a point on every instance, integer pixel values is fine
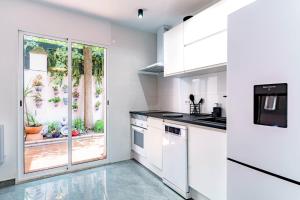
(158, 67)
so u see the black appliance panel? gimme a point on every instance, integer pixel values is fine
(270, 105)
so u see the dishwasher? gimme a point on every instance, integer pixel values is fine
(175, 165)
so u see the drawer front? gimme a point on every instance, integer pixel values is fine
(156, 123)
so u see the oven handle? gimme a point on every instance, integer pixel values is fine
(138, 129)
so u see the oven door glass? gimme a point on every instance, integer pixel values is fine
(138, 139)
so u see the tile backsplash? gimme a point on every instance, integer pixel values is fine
(173, 92)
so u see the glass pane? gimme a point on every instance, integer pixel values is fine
(88, 103)
(45, 103)
(138, 139)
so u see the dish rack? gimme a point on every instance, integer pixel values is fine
(195, 109)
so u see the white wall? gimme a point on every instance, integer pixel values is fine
(128, 90)
(129, 50)
(173, 93)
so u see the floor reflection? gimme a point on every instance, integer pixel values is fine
(120, 181)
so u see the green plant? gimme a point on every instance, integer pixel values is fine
(97, 105)
(77, 59)
(61, 57)
(57, 65)
(54, 127)
(98, 60)
(57, 77)
(55, 100)
(38, 81)
(99, 126)
(75, 106)
(51, 58)
(76, 75)
(98, 90)
(78, 125)
(31, 121)
(29, 44)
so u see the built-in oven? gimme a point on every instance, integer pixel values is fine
(138, 131)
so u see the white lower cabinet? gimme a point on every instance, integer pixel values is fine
(153, 143)
(207, 161)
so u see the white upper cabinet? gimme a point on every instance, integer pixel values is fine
(173, 50)
(206, 53)
(211, 20)
(200, 42)
(206, 23)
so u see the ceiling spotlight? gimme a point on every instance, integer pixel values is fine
(140, 13)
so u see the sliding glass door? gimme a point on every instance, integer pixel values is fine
(63, 105)
(88, 103)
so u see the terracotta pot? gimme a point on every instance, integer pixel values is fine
(33, 130)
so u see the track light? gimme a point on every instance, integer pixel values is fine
(140, 13)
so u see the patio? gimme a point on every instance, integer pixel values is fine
(46, 154)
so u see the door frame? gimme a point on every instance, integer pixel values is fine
(69, 167)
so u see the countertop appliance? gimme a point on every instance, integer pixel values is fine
(138, 131)
(175, 165)
(264, 156)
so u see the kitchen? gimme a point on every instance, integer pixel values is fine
(214, 118)
(206, 164)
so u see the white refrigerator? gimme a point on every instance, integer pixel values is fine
(263, 48)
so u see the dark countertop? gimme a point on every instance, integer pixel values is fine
(186, 118)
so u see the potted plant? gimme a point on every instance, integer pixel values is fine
(98, 91)
(32, 126)
(38, 83)
(78, 127)
(97, 105)
(65, 89)
(65, 100)
(75, 95)
(55, 100)
(75, 107)
(55, 90)
(99, 126)
(37, 98)
(54, 129)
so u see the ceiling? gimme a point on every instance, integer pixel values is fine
(156, 14)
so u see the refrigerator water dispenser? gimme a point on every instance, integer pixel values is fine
(270, 105)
